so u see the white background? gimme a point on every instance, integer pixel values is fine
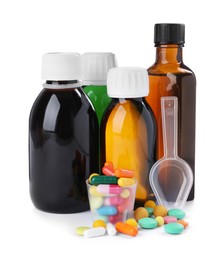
(30, 28)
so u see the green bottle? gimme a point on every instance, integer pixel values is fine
(95, 66)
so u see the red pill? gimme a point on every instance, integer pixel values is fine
(107, 171)
(109, 165)
(115, 218)
(109, 188)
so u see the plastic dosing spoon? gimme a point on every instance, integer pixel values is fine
(171, 178)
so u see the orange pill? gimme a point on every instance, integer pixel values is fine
(183, 222)
(126, 229)
(124, 173)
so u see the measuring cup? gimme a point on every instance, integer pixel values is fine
(171, 178)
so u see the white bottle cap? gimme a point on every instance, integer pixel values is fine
(62, 66)
(95, 66)
(127, 82)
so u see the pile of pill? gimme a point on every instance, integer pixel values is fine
(100, 228)
(151, 216)
(111, 198)
(112, 195)
(148, 217)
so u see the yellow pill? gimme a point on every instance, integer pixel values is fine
(125, 182)
(80, 230)
(95, 202)
(150, 204)
(93, 174)
(160, 220)
(160, 210)
(132, 222)
(99, 223)
(125, 193)
(94, 192)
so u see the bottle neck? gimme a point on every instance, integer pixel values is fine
(62, 84)
(124, 100)
(169, 53)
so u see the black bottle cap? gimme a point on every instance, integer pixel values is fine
(169, 33)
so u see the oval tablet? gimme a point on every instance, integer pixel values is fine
(107, 210)
(173, 228)
(150, 211)
(169, 219)
(80, 230)
(178, 213)
(147, 223)
(111, 230)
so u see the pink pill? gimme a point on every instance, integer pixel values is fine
(113, 201)
(109, 189)
(169, 219)
(123, 206)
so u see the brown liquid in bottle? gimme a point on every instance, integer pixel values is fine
(170, 77)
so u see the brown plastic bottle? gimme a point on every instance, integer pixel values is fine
(169, 76)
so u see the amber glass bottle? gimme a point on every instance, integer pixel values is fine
(128, 127)
(169, 76)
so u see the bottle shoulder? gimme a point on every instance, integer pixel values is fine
(164, 69)
(126, 107)
(66, 99)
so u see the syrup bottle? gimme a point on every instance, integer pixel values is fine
(128, 129)
(63, 138)
(169, 76)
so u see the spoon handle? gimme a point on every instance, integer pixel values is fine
(169, 107)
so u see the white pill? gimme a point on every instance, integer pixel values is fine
(111, 230)
(94, 232)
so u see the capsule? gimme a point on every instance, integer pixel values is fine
(116, 218)
(111, 230)
(107, 171)
(94, 232)
(124, 173)
(123, 181)
(113, 201)
(91, 175)
(110, 165)
(109, 189)
(101, 179)
(126, 229)
(107, 210)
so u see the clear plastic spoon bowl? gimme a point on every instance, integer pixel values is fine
(171, 178)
